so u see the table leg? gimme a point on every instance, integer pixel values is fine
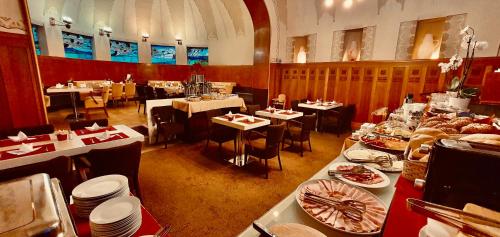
(73, 102)
(239, 159)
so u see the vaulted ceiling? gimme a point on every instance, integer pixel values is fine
(195, 20)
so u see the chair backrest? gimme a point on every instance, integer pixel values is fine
(275, 135)
(163, 113)
(122, 160)
(251, 109)
(130, 90)
(212, 113)
(141, 90)
(116, 90)
(30, 131)
(105, 95)
(309, 122)
(161, 93)
(281, 97)
(150, 93)
(59, 167)
(295, 104)
(81, 124)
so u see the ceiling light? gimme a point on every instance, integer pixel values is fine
(328, 3)
(347, 4)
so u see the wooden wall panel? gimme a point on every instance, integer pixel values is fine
(374, 84)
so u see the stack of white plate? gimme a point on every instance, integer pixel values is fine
(116, 217)
(93, 192)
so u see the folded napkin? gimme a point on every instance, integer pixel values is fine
(269, 108)
(59, 85)
(251, 119)
(104, 136)
(23, 149)
(94, 127)
(290, 111)
(19, 138)
(229, 114)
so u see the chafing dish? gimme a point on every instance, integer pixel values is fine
(34, 206)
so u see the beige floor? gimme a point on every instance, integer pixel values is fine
(199, 194)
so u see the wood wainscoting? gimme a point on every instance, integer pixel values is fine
(375, 84)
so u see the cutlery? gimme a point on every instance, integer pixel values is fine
(262, 230)
(348, 211)
(384, 161)
(349, 202)
(451, 216)
(358, 169)
(163, 231)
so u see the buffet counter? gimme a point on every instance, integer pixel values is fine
(288, 210)
(191, 107)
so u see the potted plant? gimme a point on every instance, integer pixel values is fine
(461, 95)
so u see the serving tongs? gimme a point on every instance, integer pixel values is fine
(358, 169)
(351, 209)
(452, 217)
(383, 161)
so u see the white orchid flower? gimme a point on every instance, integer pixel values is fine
(445, 67)
(464, 30)
(481, 45)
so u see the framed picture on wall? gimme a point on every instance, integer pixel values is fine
(122, 51)
(163, 54)
(77, 46)
(197, 55)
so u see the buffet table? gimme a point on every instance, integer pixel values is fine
(79, 144)
(206, 105)
(288, 211)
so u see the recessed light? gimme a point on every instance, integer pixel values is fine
(328, 3)
(347, 3)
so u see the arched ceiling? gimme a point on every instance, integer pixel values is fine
(192, 20)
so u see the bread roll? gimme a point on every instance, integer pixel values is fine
(416, 155)
(425, 158)
(484, 212)
(418, 139)
(492, 139)
(429, 131)
(477, 128)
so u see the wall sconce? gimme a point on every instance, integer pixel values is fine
(178, 40)
(328, 3)
(66, 21)
(145, 37)
(105, 30)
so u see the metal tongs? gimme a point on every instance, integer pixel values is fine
(383, 161)
(452, 217)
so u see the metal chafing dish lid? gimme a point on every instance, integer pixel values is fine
(27, 207)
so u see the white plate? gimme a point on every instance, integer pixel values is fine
(100, 187)
(397, 166)
(365, 154)
(349, 190)
(114, 210)
(385, 182)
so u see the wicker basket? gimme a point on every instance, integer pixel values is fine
(414, 169)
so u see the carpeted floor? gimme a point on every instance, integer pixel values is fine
(199, 194)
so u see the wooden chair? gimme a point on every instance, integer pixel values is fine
(122, 160)
(30, 131)
(251, 109)
(161, 93)
(129, 91)
(117, 92)
(59, 167)
(267, 147)
(300, 131)
(166, 123)
(97, 102)
(141, 97)
(219, 133)
(280, 101)
(87, 123)
(339, 120)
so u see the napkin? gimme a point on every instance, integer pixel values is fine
(104, 136)
(290, 111)
(59, 85)
(251, 119)
(23, 149)
(269, 108)
(20, 137)
(229, 114)
(94, 127)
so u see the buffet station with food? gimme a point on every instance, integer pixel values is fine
(429, 170)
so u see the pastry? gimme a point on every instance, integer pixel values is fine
(484, 212)
(418, 139)
(431, 123)
(460, 122)
(477, 128)
(416, 155)
(449, 130)
(492, 139)
(429, 131)
(425, 158)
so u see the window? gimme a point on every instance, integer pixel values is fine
(161, 54)
(122, 51)
(197, 55)
(77, 46)
(34, 28)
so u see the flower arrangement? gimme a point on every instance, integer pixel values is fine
(469, 43)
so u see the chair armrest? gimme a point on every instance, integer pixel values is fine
(262, 135)
(294, 123)
(85, 162)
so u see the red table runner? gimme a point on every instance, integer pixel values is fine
(38, 138)
(82, 132)
(288, 113)
(43, 149)
(95, 140)
(234, 116)
(248, 122)
(400, 221)
(149, 224)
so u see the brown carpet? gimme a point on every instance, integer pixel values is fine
(201, 195)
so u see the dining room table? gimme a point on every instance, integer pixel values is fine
(78, 142)
(279, 114)
(73, 91)
(320, 107)
(242, 123)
